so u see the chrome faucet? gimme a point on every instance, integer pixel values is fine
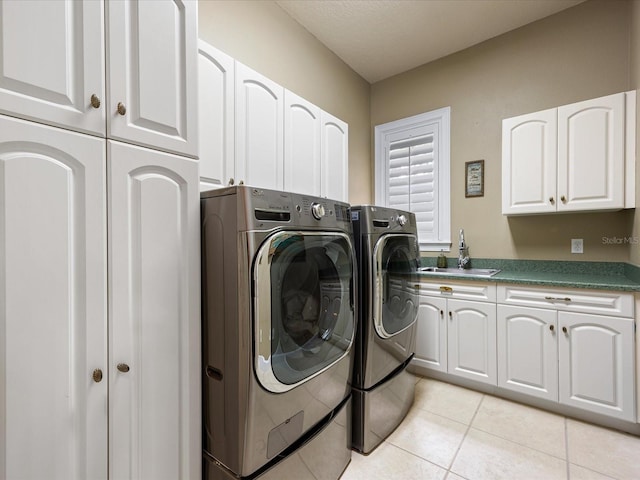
(463, 252)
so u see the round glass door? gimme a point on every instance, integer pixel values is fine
(303, 306)
(396, 262)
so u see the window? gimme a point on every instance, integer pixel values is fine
(412, 173)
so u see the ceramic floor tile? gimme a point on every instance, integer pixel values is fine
(388, 462)
(484, 456)
(444, 399)
(453, 476)
(429, 436)
(577, 472)
(602, 450)
(522, 424)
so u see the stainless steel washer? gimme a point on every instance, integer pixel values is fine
(388, 263)
(278, 319)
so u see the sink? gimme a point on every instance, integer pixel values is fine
(459, 272)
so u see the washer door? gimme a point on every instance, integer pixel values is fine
(396, 287)
(303, 306)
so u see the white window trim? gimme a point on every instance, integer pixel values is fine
(441, 117)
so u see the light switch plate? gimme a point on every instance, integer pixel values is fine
(577, 245)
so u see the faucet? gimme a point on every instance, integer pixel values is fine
(463, 249)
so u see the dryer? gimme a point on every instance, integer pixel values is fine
(388, 264)
(278, 320)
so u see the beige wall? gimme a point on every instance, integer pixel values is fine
(580, 53)
(262, 36)
(634, 256)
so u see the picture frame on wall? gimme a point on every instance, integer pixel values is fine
(474, 178)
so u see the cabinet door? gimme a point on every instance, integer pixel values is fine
(596, 360)
(216, 116)
(259, 122)
(529, 156)
(472, 340)
(154, 319)
(528, 351)
(301, 145)
(591, 146)
(52, 62)
(153, 74)
(53, 316)
(335, 158)
(431, 335)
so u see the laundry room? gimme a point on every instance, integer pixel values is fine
(319, 239)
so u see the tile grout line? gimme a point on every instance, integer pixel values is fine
(464, 437)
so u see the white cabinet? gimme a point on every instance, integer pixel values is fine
(154, 327)
(579, 350)
(335, 158)
(456, 335)
(216, 87)
(54, 71)
(152, 98)
(577, 157)
(302, 142)
(53, 304)
(528, 351)
(254, 131)
(596, 360)
(52, 62)
(259, 159)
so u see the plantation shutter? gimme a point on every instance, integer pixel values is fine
(413, 177)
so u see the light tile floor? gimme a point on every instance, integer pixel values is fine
(453, 433)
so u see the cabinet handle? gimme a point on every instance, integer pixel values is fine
(564, 330)
(551, 200)
(444, 289)
(231, 181)
(97, 375)
(552, 328)
(450, 315)
(95, 101)
(441, 313)
(121, 108)
(559, 299)
(563, 199)
(123, 367)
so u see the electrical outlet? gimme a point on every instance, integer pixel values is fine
(576, 245)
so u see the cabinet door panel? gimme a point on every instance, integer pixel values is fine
(52, 61)
(591, 154)
(154, 76)
(216, 116)
(527, 351)
(431, 335)
(335, 158)
(259, 123)
(472, 340)
(596, 359)
(53, 421)
(154, 315)
(529, 163)
(301, 145)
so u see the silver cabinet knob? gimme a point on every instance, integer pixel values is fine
(95, 101)
(123, 367)
(121, 108)
(97, 375)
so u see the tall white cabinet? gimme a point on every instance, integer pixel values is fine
(99, 244)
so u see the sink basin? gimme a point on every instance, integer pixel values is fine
(459, 272)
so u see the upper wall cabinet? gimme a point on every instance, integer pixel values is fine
(578, 157)
(254, 131)
(55, 73)
(54, 69)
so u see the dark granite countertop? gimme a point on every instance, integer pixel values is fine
(593, 275)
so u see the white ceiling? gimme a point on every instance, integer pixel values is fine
(381, 38)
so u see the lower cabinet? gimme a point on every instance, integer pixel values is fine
(99, 308)
(457, 336)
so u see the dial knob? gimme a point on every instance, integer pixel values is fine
(317, 210)
(402, 220)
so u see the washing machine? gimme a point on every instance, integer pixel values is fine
(278, 321)
(388, 260)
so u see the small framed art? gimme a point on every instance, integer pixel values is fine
(474, 178)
